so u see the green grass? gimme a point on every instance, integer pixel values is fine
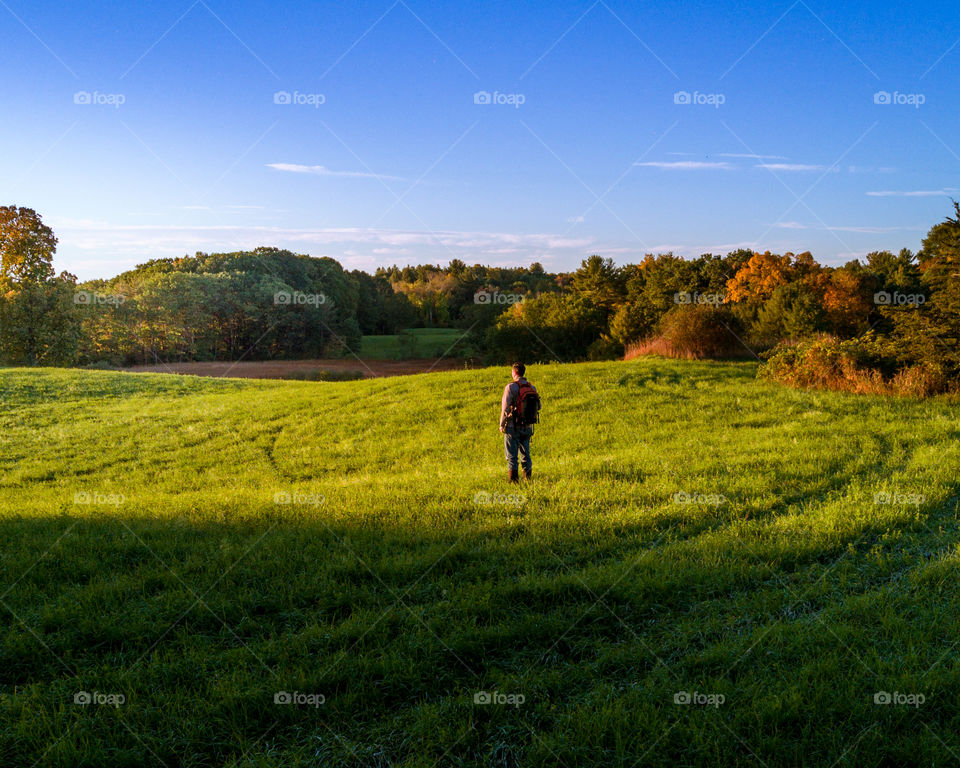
(415, 343)
(393, 591)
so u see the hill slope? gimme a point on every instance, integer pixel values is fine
(199, 547)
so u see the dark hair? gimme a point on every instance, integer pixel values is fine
(519, 368)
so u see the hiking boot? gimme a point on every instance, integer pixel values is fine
(528, 474)
(512, 476)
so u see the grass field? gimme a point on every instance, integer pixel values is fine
(706, 570)
(414, 343)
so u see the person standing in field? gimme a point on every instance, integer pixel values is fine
(519, 409)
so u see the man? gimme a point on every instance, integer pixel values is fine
(517, 430)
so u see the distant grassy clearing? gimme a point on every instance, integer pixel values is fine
(415, 343)
(808, 564)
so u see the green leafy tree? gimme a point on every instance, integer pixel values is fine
(38, 319)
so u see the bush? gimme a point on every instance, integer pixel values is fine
(693, 331)
(862, 365)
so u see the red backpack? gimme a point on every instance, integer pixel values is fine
(526, 409)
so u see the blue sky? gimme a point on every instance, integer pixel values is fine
(150, 129)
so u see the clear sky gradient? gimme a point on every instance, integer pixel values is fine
(150, 129)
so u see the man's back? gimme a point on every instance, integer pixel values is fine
(508, 404)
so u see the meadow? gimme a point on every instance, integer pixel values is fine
(415, 343)
(707, 569)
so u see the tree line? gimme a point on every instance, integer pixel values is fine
(886, 316)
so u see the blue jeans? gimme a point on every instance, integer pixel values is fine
(513, 444)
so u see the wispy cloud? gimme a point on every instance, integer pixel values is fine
(913, 192)
(320, 170)
(686, 165)
(750, 156)
(793, 167)
(207, 208)
(857, 229)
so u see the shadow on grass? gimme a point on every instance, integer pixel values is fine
(200, 624)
